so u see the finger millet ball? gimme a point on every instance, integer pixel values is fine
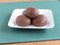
(31, 12)
(22, 21)
(39, 21)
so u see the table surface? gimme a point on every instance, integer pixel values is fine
(53, 42)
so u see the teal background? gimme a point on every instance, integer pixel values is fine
(9, 35)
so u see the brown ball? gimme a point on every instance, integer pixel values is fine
(31, 12)
(39, 21)
(22, 21)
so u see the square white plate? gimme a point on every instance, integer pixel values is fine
(48, 13)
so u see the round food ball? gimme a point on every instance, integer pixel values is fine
(39, 21)
(31, 12)
(22, 21)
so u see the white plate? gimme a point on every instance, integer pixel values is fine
(48, 13)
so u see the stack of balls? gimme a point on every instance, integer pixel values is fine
(31, 16)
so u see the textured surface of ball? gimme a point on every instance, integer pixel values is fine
(22, 21)
(39, 21)
(31, 12)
